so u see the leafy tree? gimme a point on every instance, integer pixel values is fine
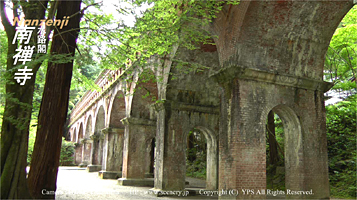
(54, 100)
(196, 154)
(3, 51)
(17, 110)
(341, 57)
(67, 152)
(341, 69)
(341, 139)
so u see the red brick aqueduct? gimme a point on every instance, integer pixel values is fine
(269, 55)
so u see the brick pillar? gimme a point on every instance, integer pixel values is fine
(242, 147)
(86, 150)
(78, 153)
(136, 156)
(248, 96)
(96, 153)
(313, 124)
(112, 153)
(170, 158)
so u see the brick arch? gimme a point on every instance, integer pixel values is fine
(100, 118)
(73, 135)
(301, 32)
(227, 25)
(97, 144)
(117, 110)
(80, 132)
(144, 95)
(194, 86)
(88, 126)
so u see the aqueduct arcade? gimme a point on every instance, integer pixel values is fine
(269, 55)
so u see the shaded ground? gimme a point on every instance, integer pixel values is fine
(75, 183)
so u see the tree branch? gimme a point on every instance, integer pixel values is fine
(10, 30)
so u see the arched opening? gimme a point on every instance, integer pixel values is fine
(201, 159)
(140, 129)
(80, 134)
(275, 171)
(86, 146)
(78, 148)
(284, 151)
(150, 159)
(97, 137)
(117, 112)
(114, 139)
(144, 96)
(72, 136)
(89, 131)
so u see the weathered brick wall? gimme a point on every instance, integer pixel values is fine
(86, 152)
(136, 154)
(289, 37)
(194, 87)
(177, 122)
(78, 154)
(242, 148)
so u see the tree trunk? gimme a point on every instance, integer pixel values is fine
(273, 147)
(17, 113)
(53, 111)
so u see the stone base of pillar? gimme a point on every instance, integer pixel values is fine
(82, 165)
(94, 168)
(149, 175)
(109, 174)
(148, 182)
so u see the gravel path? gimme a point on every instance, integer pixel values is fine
(74, 183)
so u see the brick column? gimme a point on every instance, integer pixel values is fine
(96, 152)
(86, 149)
(242, 147)
(78, 153)
(170, 152)
(112, 153)
(136, 156)
(248, 96)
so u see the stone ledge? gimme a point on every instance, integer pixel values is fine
(232, 72)
(175, 105)
(194, 108)
(138, 121)
(149, 175)
(109, 174)
(113, 130)
(148, 182)
(94, 168)
(82, 165)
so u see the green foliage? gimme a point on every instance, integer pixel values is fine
(341, 68)
(341, 139)
(67, 152)
(3, 53)
(67, 148)
(197, 167)
(341, 57)
(32, 138)
(276, 180)
(165, 25)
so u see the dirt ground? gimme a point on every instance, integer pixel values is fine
(74, 183)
